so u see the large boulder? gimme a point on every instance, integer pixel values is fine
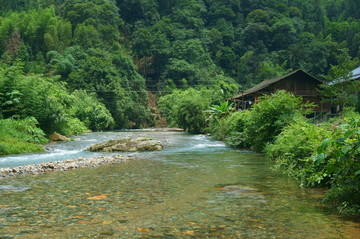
(58, 137)
(127, 145)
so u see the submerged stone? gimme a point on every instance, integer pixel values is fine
(127, 145)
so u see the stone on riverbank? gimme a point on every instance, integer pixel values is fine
(64, 165)
(127, 145)
(58, 137)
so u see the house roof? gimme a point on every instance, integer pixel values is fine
(268, 82)
(353, 75)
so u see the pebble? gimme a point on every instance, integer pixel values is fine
(64, 165)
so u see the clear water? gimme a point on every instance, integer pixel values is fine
(195, 188)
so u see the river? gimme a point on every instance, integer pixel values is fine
(195, 188)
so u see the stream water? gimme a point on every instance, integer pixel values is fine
(195, 188)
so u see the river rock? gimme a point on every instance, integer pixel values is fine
(127, 145)
(64, 165)
(58, 137)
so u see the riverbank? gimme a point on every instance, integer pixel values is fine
(317, 155)
(64, 165)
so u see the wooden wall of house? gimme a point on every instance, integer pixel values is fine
(302, 85)
(299, 85)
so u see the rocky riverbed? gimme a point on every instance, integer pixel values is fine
(64, 165)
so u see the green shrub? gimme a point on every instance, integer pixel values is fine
(190, 115)
(73, 126)
(91, 112)
(186, 108)
(20, 136)
(231, 129)
(268, 118)
(26, 129)
(236, 122)
(339, 157)
(326, 155)
(293, 148)
(217, 128)
(47, 100)
(218, 112)
(15, 146)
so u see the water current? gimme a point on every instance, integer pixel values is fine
(195, 188)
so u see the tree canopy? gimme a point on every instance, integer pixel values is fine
(116, 50)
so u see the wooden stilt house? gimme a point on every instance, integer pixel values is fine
(297, 82)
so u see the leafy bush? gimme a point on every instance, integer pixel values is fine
(339, 157)
(46, 100)
(190, 115)
(91, 112)
(259, 125)
(326, 155)
(217, 112)
(186, 108)
(268, 118)
(293, 148)
(73, 126)
(231, 129)
(235, 126)
(113, 76)
(20, 136)
(189, 108)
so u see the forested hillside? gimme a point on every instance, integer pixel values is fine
(248, 40)
(80, 64)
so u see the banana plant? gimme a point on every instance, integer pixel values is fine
(216, 112)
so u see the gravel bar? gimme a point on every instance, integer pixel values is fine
(64, 165)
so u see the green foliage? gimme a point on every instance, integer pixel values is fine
(11, 103)
(293, 148)
(91, 112)
(185, 108)
(326, 155)
(20, 136)
(339, 157)
(43, 98)
(60, 64)
(231, 129)
(196, 36)
(190, 115)
(10, 96)
(73, 126)
(258, 126)
(216, 112)
(268, 118)
(100, 65)
(46, 100)
(342, 90)
(40, 29)
(113, 77)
